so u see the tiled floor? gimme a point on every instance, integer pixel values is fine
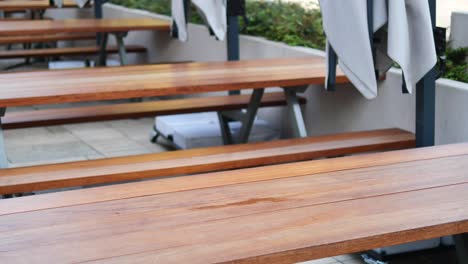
(129, 137)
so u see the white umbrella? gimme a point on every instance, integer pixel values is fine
(409, 39)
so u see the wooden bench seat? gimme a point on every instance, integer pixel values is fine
(275, 214)
(22, 5)
(136, 81)
(72, 51)
(27, 179)
(84, 25)
(45, 38)
(49, 117)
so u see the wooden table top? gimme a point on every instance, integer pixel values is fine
(18, 5)
(276, 214)
(59, 86)
(109, 25)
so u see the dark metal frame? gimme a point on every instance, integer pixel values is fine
(236, 9)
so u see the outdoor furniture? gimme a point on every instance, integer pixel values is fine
(118, 27)
(22, 5)
(274, 214)
(69, 51)
(49, 117)
(78, 85)
(114, 170)
(45, 38)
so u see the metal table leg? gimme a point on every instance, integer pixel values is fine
(103, 50)
(246, 118)
(461, 244)
(295, 113)
(122, 51)
(3, 156)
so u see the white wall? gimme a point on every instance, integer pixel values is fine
(459, 29)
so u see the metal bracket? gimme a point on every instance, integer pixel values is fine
(461, 245)
(246, 118)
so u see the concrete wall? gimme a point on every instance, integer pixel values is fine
(458, 30)
(343, 110)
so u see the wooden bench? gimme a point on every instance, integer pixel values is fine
(28, 179)
(45, 38)
(70, 51)
(78, 85)
(70, 115)
(275, 214)
(21, 5)
(105, 25)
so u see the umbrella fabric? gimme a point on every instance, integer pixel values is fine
(408, 39)
(212, 11)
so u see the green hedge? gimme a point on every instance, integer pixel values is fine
(292, 24)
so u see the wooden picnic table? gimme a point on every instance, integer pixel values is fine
(19, 5)
(116, 26)
(275, 214)
(106, 25)
(92, 84)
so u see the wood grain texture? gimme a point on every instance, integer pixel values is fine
(20, 5)
(70, 115)
(109, 25)
(69, 51)
(43, 87)
(285, 219)
(46, 38)
(198, 160)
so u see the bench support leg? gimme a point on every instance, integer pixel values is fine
(121, 45)
(246, 118)
(461, 244)
(103, 50)
(295, 113)
(3, 156)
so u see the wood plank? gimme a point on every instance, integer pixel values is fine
(108, 193)
(82, 25)
(45, 38)
(222, 178)
(19, 5)
(279, 221)
(43, 87)
(196, 161)
(48, 117)
(71, 51)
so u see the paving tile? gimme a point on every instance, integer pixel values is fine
(94, 131)
(47, 153)
(36, 136)
(322, 261)
(135, 129)
(353, 261)
(347, 257)
(117, 146)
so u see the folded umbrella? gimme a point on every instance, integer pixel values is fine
(213, 12)
(408, 40)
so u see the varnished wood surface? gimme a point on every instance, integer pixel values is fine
(262, 215)
(44, 87)
(110, 25)
(69, 51)
(19, 5)
(70, 115)
(46, 38)
(35, 178)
